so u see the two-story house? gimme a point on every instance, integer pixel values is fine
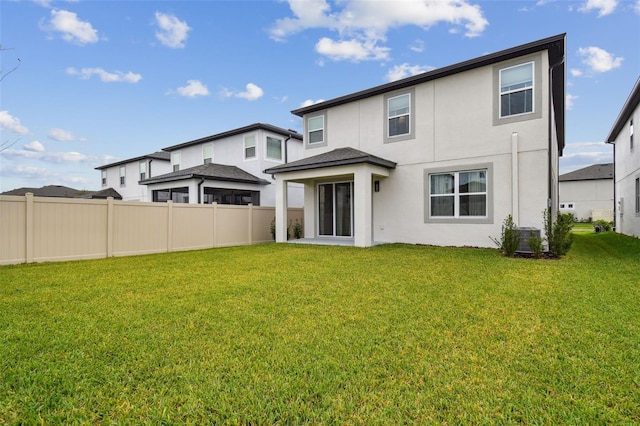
(438, 158)
(226, 168)
(626, 161)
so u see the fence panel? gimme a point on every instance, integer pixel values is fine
(13, 229)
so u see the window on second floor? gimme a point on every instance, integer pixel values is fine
(631, 135)
(143, 170)
(207, 154)
(315, 129)
(399, 115)
(123, 175)
(175, 161)
(274, 148)
(104, 177)
(516, 90)
(250, 146)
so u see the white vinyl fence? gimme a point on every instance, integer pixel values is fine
(43, 229)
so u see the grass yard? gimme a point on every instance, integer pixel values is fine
(291, 334)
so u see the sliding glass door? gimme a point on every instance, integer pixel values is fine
(335, 209)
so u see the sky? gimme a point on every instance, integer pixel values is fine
(86, 83)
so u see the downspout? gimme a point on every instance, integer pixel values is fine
(200, 190)
(286, 149)
(150, 160)
(550, 133)
(615, 198)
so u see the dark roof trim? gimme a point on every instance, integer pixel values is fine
(332, 159)
(210, 172)
(205, 177)
(625, 114)
(250, 128)
(514, 52)
(158, 155)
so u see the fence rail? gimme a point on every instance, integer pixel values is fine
(44, 229)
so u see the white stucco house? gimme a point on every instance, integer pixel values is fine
(626, 160)
(226, 168)
(587, 193)
(439, 158)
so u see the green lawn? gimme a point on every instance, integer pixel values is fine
(291, 334)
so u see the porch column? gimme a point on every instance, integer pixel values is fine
(281, 210)
(362, 203)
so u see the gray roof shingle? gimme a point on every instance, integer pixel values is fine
(596, 171)
(211, 171)
(337, 157)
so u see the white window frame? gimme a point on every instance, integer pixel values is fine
(207, 155)
(522, 89)
(456, 170)
(104, 177)
(266, 149)
(123, 175)
(397, 116)
(323, 129)
(175, 161)
(248, 138)
(631, 135)
(142, 167)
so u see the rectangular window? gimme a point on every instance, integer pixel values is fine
(458, 194)
(237, 197)
(207, 154)
(274, 149)
(104, 177)
(516, 90)
(631, 135)
(143, 170)
(315, 129)
(250, 146)
(175, 161)
(637, 196)
(122, 175)
(177, 195)
(399, 115)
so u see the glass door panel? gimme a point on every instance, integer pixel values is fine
(343, 209)
(335, 209)
(325, 209)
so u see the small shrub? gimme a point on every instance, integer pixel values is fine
(509, 237)
(535, 244)
(558, 233)
(297, 229)
(602, 225)
(272, 229)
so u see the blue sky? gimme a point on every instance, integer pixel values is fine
(85, 83)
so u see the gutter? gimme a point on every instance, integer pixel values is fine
(550, 131)
(200, 190)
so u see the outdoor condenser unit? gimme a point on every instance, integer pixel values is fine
(525, 234)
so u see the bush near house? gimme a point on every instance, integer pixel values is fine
(300, 334)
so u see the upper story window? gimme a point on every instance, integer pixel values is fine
(631, 135)
(207, 154)
(399, 115)
(315, 129)
(123, 174)
(143, 170)
(516, 90)
(175, 161)
(274, 148)
(250, 146)
(104, 177)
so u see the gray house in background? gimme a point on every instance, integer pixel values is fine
(587, 193)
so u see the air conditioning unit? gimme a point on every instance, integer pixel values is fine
(525, 234)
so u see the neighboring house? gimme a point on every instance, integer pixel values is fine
(587, 193)
(226, 168)
(439, 158)
(60, 191)
(126, 174)
(626, 160)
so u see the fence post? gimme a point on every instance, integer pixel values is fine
(250, 224)
(109, 226)
(169, 226)
(214, 205)
(29, 227)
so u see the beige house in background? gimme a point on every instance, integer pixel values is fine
(626, 160)
(438, 158)
(587, 193)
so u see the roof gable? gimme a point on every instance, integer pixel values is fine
(594, 172)
(337, 157)
(625, 113)
(158, 155)
(210, 171)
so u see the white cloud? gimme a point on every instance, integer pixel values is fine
(417, 46)
(399, 72)
(636, 7)
(106, 77)
(310, 102)
(72, 29)
(173, 32)
(251, 93)
(576, 72)
(569, 101)
(48, 157)
(34, 146)
(11, 123)
(193, 89)
(353, 50)
(362, 25)
(599, 60)
(604, 7)
(61, 135)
